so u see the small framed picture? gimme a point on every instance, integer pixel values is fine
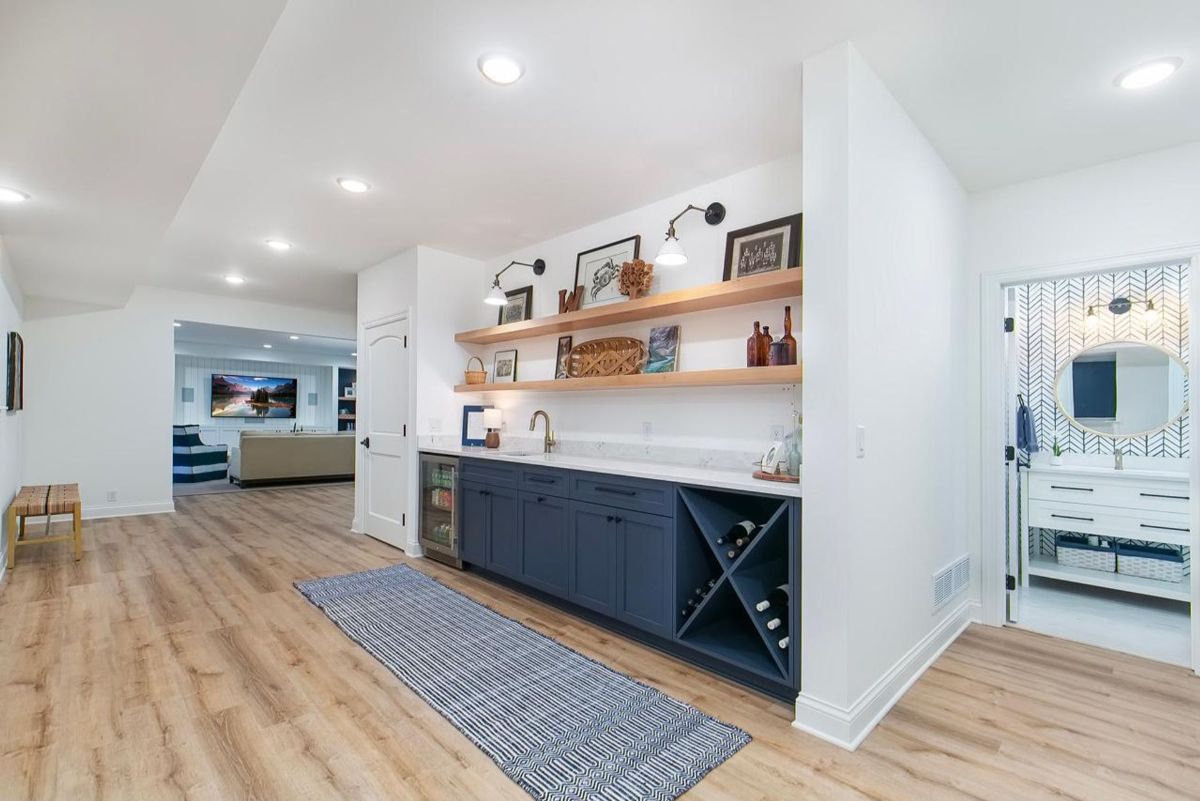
(560, 362)
(519, 306)
(349, 393)
(504, 368)
(764, 248)
(473, 430)
(663, 350)
(598, 269)
(14, 397)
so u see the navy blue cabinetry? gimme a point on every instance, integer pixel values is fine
(544, 526)
(473, 512)
(504, 533)
(644, 571)
(593, 557)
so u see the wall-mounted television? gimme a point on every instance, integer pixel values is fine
(253, 396)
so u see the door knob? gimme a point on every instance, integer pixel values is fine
(365, 442)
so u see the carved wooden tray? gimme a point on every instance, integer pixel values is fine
(609, 356)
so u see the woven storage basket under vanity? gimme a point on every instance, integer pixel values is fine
(1148, 561)
(1073, 551)
(475, 376)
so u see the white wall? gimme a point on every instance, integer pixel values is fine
(99, 389)
(883, 350)
(12, 443)
(728, 419)
(196, 372)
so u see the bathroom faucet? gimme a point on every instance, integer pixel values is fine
(548, 443)
(1118, 459)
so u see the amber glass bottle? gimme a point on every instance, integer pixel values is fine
(764, 346)
(792, 348)
(752, 347)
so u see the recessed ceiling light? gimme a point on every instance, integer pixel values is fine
(268, 345)
(8, 195)
(236, 280)
(353, 185)
(293, 336)
(279, 244)
(355, 353)
(178, 325)
(1148, 74)
(500, 69)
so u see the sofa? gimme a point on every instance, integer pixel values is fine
(193, 461)
(269, 457)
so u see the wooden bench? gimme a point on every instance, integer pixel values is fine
(44, 501)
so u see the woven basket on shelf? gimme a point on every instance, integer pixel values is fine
(1071, 553)
(604, 357)
(1160, 564)
(475, 376)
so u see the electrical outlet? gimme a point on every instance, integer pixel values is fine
(776, 433)
(860, 441)
(435, 425)
(110, 496)
(646, 428)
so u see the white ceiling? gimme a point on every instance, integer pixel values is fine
(164, 142)
(253, 339)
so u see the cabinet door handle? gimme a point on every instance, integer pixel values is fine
(1074, 489)
(485, 492)
(1172, 497)
(609, 518)
(618, 519)
(541, 499)
(539, 479)
(1166, 528)
(616, 491)
(1072, 517)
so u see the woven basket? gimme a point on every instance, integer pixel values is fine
(1089, 557)
(603, 357)
(1159, 568)
(475, 376)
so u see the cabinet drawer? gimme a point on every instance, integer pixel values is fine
(638, 495)
(1116, 492)
(1150, 525)
(486, 472)
(547, 482)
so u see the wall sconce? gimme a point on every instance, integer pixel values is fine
(496, 296)
(1119, 306)
(670, 253)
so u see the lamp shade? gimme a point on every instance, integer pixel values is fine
(496, 296)
(492, 418)
(671, 254)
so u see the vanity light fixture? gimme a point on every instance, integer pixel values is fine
(1119, 306)
(10, 195)
(496, 296)
(500, 69)
(1091, 321)
(353, 185)
(670, 253)
(1146, 75)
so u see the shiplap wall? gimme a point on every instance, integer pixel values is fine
(196, 372)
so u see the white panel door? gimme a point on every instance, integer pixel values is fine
(387, 468)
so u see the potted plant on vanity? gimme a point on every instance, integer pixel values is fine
(1056, 453)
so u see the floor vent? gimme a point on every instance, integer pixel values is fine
(951, 580)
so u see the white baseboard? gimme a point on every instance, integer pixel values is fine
(105, 510)
(847, 728)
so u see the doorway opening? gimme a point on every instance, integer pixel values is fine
(1099, 513)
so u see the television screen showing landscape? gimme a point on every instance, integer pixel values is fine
(253, 396)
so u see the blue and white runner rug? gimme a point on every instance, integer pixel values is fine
(561, 725)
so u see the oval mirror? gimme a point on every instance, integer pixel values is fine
(1122, 389)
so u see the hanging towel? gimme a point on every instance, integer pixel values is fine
(1027, 439)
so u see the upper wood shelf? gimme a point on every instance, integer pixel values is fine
(736, 376)
(771, 286)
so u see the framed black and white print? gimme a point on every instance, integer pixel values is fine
(764, 248)
(519, 306)
(14, 398)
(598, 269)
(560, 360)
(504, 367)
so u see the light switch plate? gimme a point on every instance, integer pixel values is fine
(435, 424)
(646, 428)
(860, 441)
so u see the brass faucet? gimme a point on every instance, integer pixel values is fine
(548, 443)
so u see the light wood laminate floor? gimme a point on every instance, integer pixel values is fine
(176, 661)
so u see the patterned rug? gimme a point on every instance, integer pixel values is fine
(559, 724)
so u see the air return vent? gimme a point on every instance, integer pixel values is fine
(951, 580)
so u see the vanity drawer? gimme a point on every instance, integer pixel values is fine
(1150, 525)
(1120, 493)
(638, 495)
(546, 482)
(489, 472)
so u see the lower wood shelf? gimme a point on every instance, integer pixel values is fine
(1049, 568)
(737, 376)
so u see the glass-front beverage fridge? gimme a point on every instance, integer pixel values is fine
(439, 517)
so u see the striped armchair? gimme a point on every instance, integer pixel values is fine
(194, 461)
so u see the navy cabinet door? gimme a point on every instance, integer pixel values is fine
(544, 542)
(504, 537)
(473, 521)
(592, 557)
(644, 575)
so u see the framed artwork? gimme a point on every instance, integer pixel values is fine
(564, 350)
(598, 269)
(764, 248)
(504, 367)
(14, 397)
(663, 350)
(473, 430)
(519, 306)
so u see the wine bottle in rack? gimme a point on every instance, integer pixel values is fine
(776, 598)
(774, 623)
(783, 644)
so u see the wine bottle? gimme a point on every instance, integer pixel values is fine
(774, 623)
(776, 597)
(741, 528)
(784, 643)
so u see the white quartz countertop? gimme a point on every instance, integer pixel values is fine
(1135, 467)
(680, 474)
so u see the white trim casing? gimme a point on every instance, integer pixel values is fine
(847, 728)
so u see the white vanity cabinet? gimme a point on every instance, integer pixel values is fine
(1146, 505)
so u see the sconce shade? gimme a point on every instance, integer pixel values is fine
(492, 418)
(496, 296)
(671, 254)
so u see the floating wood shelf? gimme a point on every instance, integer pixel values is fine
(345, 417)
(771, 286)
(350, 398)
(738, 376)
